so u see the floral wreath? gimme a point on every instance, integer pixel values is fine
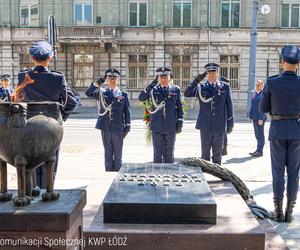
(147, 105)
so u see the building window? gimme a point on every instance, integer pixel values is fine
(138, 13)
(29, 13)
(83, 12)
(181, 68)
(137, 71)
(182, 13)
(230, 13)
(230, 69)
(290, 15)
(83, 70)
(25, 61)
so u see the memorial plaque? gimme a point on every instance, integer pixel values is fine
(159, 193)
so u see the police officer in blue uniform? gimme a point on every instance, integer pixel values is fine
(114, 116)
(216, 111)
(48, 85)
(258, 119)
(5, 90)
(281, 99)
(166, 117)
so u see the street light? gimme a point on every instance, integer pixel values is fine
(52, 36)
(265, 9)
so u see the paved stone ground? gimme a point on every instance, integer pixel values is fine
(81, 160)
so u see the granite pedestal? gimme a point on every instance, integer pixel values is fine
(159, 193)
(44, 225)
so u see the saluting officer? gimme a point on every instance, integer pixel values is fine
(216, 111)
(5, 90)
(166, 117)
(281, 99)
(114, 116)
(45, 85)
(258, 119)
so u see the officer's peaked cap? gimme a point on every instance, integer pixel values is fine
(112, 72)
(290, 54)
(212, 67)
(163, 71)
(41, 50)
(5, 77)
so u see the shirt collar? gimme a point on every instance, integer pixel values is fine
(289, 73)
(164, 86)
(216, 83)
(41, 69)
(116, 91)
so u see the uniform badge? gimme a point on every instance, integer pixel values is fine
(120, 98)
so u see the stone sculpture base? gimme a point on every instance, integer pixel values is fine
(236, 227)
(44, 225)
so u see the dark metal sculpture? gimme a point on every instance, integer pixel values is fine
(30, 134)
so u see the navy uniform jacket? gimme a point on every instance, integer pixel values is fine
(216, 115)
(49, 85)
(254, 113)
(173, 110)
(120, 116)
(5, 94)
(281, 97)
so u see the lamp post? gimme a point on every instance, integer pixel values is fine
(265, 9)
(52, 36)
(252, 56)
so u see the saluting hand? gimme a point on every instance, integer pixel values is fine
(154, 82)
(200, 77)
(101, 80)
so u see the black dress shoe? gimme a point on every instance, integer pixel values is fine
(253, 153)
(257, 154)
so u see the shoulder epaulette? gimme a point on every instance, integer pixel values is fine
(225, 83)
(273, 76)
(58, 72)
(24, 70)
(176, 86)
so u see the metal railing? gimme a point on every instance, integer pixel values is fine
(86, 31)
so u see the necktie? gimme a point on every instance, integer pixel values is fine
(165, 90)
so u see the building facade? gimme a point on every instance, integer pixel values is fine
(138, 36)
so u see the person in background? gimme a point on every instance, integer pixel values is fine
(258, 119)
(166, 117)
(5, 90)
(215, 113)
(114, 116)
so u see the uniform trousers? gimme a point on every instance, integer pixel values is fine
(285, 154)
(163, 147)
(113, 146)
(259, 135)
(212, 140)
